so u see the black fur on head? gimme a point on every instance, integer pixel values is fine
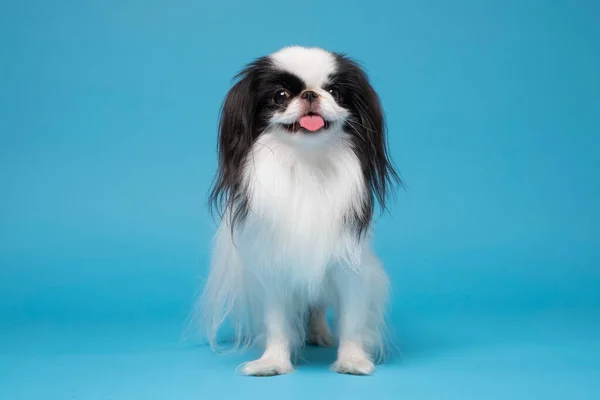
(243, 119)
(245, 115)
(367, 129)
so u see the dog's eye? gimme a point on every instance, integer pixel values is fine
(334, 93)
(281, 96)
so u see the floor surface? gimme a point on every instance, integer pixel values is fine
(551, 355)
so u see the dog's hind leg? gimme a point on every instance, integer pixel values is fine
(318, 329)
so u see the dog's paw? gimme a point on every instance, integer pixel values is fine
(267, 367)
(354, 366)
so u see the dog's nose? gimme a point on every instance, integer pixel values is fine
(309, 95)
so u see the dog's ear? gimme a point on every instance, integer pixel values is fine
(236, 125)
(237, 132)
(368, 125)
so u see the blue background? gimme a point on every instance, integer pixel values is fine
(108, 113)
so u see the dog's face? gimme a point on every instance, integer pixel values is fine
(302, 93)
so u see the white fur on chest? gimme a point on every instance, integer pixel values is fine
(300, 196)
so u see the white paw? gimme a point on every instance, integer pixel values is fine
(354, 366)
(267, 367)
(321, 338)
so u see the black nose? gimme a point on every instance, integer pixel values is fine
(309, 95)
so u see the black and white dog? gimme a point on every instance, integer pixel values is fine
(303, 163)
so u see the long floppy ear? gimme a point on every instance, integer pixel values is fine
(236, 134)
(369, 133)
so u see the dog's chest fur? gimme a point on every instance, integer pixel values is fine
(300, 198)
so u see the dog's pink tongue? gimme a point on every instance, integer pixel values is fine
(312, 122)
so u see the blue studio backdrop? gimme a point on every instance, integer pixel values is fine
(108, 116)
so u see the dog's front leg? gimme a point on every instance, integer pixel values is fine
(276, 359)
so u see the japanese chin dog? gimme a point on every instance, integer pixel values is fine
(303, 165)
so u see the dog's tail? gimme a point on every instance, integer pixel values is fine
(224, 297)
